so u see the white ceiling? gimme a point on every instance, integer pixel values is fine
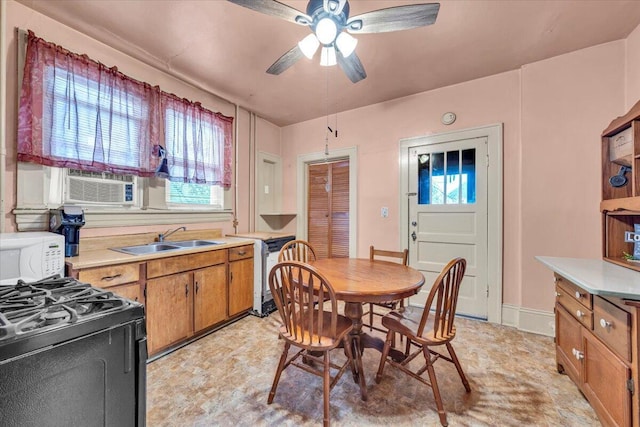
(226, 48)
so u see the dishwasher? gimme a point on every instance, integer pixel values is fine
(267, 246)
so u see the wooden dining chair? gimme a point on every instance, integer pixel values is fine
(380, 254)
(297, 250)
(309, 327)
(426, 328)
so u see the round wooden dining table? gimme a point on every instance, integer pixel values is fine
(356, 281)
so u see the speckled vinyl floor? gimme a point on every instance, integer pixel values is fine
(224, 379)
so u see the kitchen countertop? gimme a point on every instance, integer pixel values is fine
(262, 235)
(102, 257)
(597, 276)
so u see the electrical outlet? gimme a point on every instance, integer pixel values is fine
(384, 212)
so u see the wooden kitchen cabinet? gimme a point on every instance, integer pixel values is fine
(185, 295)
(240, 279)
(122, 279)
(168, 310)
(594, 347)
(220, 287)
(210, 296)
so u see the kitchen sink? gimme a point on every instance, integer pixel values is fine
(157, 247)
(147, 249)
(195, 243)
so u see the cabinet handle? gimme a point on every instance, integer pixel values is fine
(197, 287)
(241, 253)
(579, 313)
(231, 277)
(579, 295)
(110, 278)
(186, 289)
(605, 324)
(558, 294)
(556, 280)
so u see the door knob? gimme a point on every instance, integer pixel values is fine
(414, 236)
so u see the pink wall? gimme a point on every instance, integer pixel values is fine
(553, 113)
(632, 92)
(567, 102)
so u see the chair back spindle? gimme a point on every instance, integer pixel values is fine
(297, 250)
(296, 287)
(442, 300)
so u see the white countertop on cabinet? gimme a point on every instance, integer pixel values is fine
(597, 276)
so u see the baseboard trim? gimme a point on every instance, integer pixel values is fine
(529, 320)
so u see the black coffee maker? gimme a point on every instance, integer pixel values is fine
(67, 220)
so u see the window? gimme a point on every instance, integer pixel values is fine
(192, 132)
(91, 122)
(447, 178)
(87, 134)
(180, 193)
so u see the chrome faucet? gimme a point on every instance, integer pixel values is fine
(169, 232)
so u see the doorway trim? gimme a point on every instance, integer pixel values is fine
(493, 133)
(302, 180)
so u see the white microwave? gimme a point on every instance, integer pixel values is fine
(30, 256)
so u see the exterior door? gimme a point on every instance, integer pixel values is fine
(448, 216)
(328, 209)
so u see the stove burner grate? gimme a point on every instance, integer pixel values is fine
(30, 308)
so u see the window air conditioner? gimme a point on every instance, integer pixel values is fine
(99, 188)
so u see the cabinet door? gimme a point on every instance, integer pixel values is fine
(568, 342)
(605, 382)
(210, 299)
(169, 302)
(130, 291)
(240, 286)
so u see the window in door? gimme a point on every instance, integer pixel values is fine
(447, 177)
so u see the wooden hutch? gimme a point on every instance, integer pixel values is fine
(598, 301)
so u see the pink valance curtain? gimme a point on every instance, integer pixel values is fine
(198, 142)
(77, 113)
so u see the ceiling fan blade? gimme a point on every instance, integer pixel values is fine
(351, 66)
(394, 18)
(286, 61)
(275, 8)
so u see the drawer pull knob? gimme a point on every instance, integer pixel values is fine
(579, 295)
(110, 278)
(558, 294)
(556, 280)
(605, 324)
(242, 253)
(579, 313)
(577, 354)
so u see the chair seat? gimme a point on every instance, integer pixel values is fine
(302, 336)
(407, 323)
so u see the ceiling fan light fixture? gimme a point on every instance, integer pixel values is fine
(328, 57)
(309, 45)
(346, 43)
(326, 31)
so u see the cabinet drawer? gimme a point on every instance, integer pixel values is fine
(565, 288)
(573, 306)
(613, 326)
(105, 277)
(176, 264)
(241, 252)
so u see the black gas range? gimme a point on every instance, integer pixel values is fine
(70, 354)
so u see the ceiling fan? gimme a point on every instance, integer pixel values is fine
(331, 27)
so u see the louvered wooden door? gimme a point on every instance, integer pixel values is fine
(328, 204)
